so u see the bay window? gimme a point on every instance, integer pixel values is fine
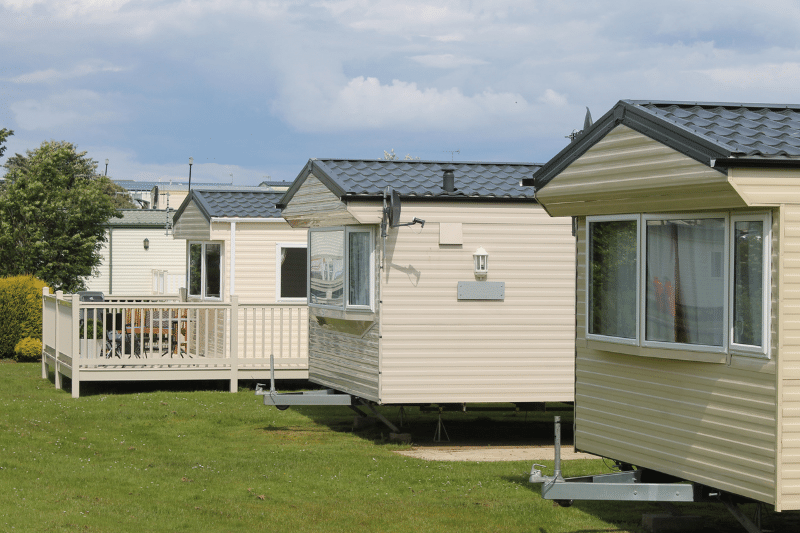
(340, 268)
(205, 270)
(694, 282)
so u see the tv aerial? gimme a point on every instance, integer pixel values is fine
(391, 214)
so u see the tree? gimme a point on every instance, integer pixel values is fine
(4, 134)
(53, 215)
(119, 195)
(391, 156)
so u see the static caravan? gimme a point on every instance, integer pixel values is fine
(435, 282)
(688, 291)
(237, 244)
(139, 257)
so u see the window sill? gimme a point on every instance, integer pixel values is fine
(333, 312)
(679, 354)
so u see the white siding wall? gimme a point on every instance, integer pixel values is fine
(435, 348)
(131, 271)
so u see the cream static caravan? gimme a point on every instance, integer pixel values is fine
(237, 243)
(410, 318)
(688, 291)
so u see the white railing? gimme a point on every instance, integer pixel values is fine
(162, 338)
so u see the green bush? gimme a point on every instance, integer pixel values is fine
(28, 349)
(20, 311)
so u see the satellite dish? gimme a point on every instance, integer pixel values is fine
(394, 209)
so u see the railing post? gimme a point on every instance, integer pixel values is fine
(45, 324)
(234, 329)
(76, 353)
(57, 363)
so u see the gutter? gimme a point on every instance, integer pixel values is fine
(754, 162)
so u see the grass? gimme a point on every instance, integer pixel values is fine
(163, 457)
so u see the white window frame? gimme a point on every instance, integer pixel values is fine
(203, 276)
(347, 231)
(728, 346)
(766, 324)
(279, 246)
(643, 276)
(611, 218)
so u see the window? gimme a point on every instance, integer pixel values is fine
(341, 268)
(676, 281)
(292, 261)
(205, 270)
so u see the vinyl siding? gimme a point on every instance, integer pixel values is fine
(192, 225)
(766, 186)
(255, 275)
(255, 257)
(343, 361)
(437, 349)
(132, 269)
(314, 205)
(710, 423)
(789, 408)
(627, 172)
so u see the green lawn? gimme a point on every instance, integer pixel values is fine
(162, 457)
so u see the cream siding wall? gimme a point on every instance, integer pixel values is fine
(345, 361)
(132, 269)
(255, 275)
(192, 225)
(789, 408)
(255, 256)
(435, 348)
(627, 172)
(314, 205)
(710, 423)
(766, 186)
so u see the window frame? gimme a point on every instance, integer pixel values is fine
(279, 246)
(643, 276)
(766, 280)
(203, 270)
(347, 231)
(730, 218)
(595, 336)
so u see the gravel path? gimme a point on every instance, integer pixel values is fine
(482, 454)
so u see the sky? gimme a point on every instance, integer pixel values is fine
(253, 89)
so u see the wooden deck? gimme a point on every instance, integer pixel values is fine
(158, 338)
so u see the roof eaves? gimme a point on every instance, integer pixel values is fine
(630, 113)
(295, 186)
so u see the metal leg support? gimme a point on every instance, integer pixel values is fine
(750, 525)
(437, 437)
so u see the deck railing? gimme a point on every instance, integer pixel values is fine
(134, 338)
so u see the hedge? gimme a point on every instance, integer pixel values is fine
(20, 311)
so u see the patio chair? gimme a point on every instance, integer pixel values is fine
(118, 342)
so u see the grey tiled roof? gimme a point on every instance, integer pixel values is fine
(719, 135)
(141, 218)
(246, 202)
(752, 130)
(369, 178)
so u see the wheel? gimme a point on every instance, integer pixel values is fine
(564, 503)
(282, 407)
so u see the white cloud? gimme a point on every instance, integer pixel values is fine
(772, 76)
(365, 103)
(52, 75)
(71, 108)
(550, 97)
(447, 61)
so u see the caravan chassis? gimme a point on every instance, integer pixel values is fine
(628, 485)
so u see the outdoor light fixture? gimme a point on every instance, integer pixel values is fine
(481, 258)
(147, 244)
(106, 174)
(191, 162)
